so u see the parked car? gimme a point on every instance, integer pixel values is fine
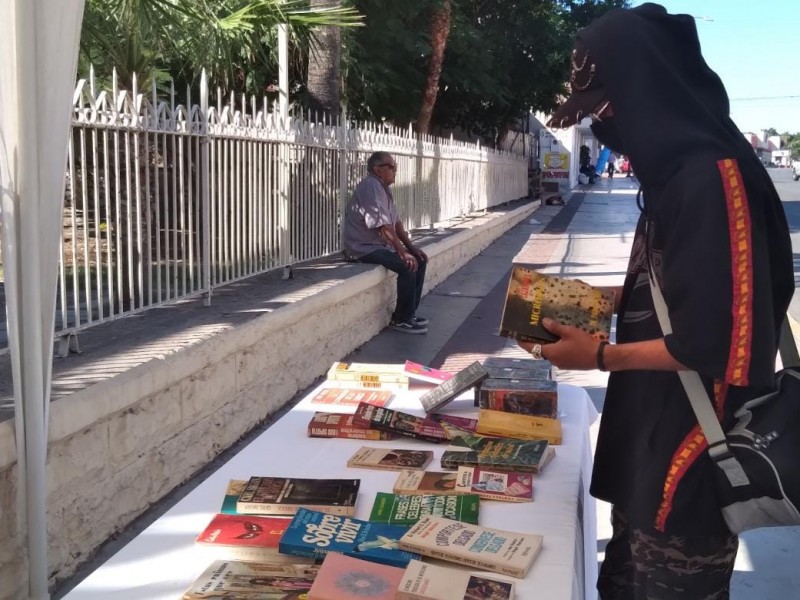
(796, 169)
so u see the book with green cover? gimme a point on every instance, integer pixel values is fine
(401, 509)
(503, 454)
(533, 296)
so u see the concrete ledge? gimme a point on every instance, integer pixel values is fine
(118, 444)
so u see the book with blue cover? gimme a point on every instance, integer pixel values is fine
(314, 534)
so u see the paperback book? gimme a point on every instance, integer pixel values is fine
(454, 425)
(401, 509)
(446, 392)
(374, 376)
(346, 578)
(390, 459)
(285, 495)
(402, 423)
(338, 396)
(540, 367)
(496, 550)
(243, 537)
(253, 581)
(425, 581)
(520, 396)
(340, 425)
(232, 493)
(495, 485)
(425, 482)
(426, 374)
(502, 454)
(314, 534)
(533, 296)
(523, 427)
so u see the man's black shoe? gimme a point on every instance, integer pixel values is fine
(406, 327)
(419, 321)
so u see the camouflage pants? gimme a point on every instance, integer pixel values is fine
(653, 566)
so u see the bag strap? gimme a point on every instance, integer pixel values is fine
(718, 448)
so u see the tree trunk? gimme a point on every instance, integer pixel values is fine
(324, 72)
(440, 29)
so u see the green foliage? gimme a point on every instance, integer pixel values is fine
(502, 59)
(232, 39)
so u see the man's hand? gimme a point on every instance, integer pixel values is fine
(409, 261)
(575, 350)
(418, 254)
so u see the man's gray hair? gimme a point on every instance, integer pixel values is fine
(377, 158)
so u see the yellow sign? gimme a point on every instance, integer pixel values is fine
(556, 161)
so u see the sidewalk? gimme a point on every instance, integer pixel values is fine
(588, 238)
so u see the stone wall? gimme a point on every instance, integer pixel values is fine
(118, 446)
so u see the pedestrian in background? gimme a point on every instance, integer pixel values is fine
(373, 233)
(713, 228)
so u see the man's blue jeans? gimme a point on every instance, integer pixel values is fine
(409, 283)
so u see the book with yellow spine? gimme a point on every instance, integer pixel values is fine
(517, 426)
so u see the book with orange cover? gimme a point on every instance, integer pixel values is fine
(339, 396)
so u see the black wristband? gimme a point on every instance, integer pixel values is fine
(600, 349)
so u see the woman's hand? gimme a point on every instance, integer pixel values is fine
(575, 350)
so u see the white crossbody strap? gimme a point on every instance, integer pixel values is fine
(718, 448)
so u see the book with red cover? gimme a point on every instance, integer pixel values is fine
(400, 422)
(341, 425)
(346, 578)
(246, 537)
(339, 396)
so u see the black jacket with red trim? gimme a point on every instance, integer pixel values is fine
(714, 228)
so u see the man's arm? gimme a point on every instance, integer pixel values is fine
(401, 233)
(391, 235)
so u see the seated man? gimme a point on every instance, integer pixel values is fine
(373, 233)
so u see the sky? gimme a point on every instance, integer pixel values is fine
(755, 49)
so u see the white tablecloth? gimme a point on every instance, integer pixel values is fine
(162, 561)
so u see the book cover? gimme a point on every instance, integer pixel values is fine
(314, 534)
(338, 396)
(246, 537)
(454, 425)
(391, 459)
(425, 482)
(402, 509)
(284, 495)
(253, 581)
(425, 581)
(521, 396)
(426, 374)
(445, 392)
(502, 454)
(532, 296)
(541, 367)
(517, 373)
(496, 550)
(346, 578)
(232, 493)
(395, 421)
(340, 425)
(495, 485)
(369, 375)
(518, 426)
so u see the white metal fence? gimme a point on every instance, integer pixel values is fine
(164, 200)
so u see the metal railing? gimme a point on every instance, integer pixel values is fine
(165, 201)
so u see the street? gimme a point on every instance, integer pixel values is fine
(790, 194)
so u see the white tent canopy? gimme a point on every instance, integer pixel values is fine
(38, 60)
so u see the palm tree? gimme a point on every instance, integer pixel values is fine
(323, 81)
(440, 30)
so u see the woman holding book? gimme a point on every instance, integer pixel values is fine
(713, 231)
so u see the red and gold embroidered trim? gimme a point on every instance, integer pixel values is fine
(692, 446)
(742, 271)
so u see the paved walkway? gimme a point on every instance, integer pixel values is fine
(588, 238)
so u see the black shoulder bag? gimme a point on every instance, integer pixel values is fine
(758, 460)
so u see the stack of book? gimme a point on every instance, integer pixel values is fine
(368, 376)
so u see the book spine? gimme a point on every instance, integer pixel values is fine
(350, 433)
(258, 508)
(373, 377)
(349, 384)
(489, 430)
(462, 560)
(498, 497)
